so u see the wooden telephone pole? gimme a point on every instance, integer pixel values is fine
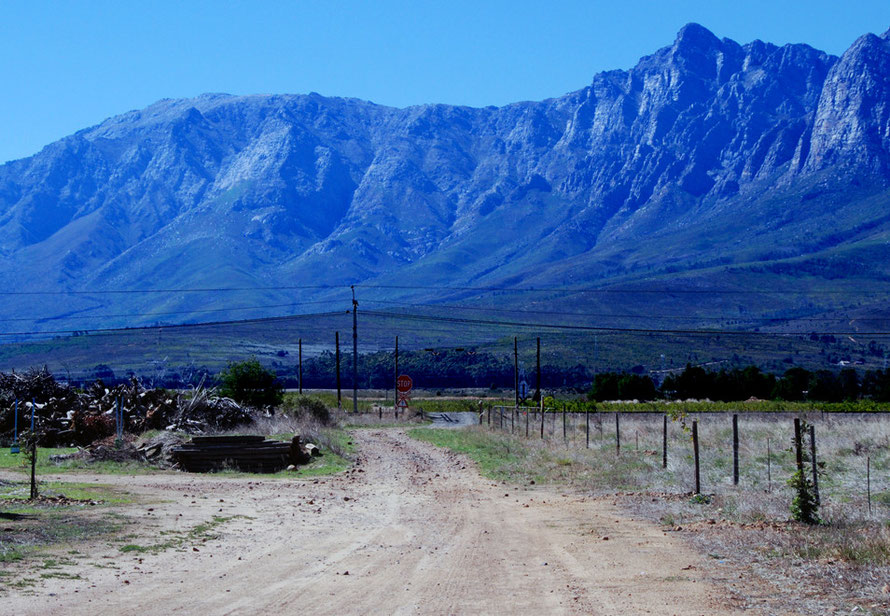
(354, 352)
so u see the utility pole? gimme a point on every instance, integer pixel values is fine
(337, 344)
(354, 351)
(516, 369)
(300, 378)
(395, 397)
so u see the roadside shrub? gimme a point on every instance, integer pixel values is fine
(247, 382)
(304, 406)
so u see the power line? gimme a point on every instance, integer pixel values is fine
(658, 291)
(438, 319)
(542, 289)
(149, 291)
(140, 328)
(456, 307)
(157, 314)
(524, 325)
(623, 316)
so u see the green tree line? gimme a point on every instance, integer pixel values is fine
(796, 384)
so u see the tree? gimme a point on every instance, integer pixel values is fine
(636, 387)
(826, 387)
(792, 385)
(693, 382)
(247, 382)
(605, 387)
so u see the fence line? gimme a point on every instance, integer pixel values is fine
(729, 436)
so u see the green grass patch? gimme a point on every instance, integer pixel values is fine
(177, 539)
(13, 496)
(498, 456)
(19, 462)
(27, 535)
(61, 575)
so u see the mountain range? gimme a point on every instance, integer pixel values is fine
(738, 185)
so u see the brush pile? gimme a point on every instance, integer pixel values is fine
(64, 415)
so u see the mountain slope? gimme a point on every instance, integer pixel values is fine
(706, 164)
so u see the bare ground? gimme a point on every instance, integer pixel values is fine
(411, 529)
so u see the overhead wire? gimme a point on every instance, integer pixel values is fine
(140, 328)
(539, 289)
(594, 328)
(619, 315)
(186, 290)
(158, 314)
(610, 290)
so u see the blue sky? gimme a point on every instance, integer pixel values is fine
(68, 65)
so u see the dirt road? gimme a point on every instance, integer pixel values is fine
(413, 529)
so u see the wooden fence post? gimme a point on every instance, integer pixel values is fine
(33, 465)
(587, 429)
(695, 452)
(564, 439)
(815, 467)
(337, 352)
(542, 423)
(617, 434)
(868, 481)
(769, 473)
(664, 443)
(798, 446)
(735, 450)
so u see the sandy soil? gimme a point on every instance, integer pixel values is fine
(412, 529)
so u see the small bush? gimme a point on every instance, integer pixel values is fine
(247, 382)
(804, 506)
(304, 406)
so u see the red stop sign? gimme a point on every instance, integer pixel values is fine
(404, 383)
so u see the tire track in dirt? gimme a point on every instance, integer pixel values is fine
(416, 528)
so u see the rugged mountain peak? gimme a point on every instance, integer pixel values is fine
(852, 123)
(696, 36)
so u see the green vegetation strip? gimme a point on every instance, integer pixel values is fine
(42, 528)
(178, 539)
(13, 496)
(19, 462)
(708, 406)
(498, 457)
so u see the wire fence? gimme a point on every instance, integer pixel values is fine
(749, 456)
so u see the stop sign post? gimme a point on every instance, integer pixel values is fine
(404, 384)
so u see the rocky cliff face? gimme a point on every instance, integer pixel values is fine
(707, 152)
